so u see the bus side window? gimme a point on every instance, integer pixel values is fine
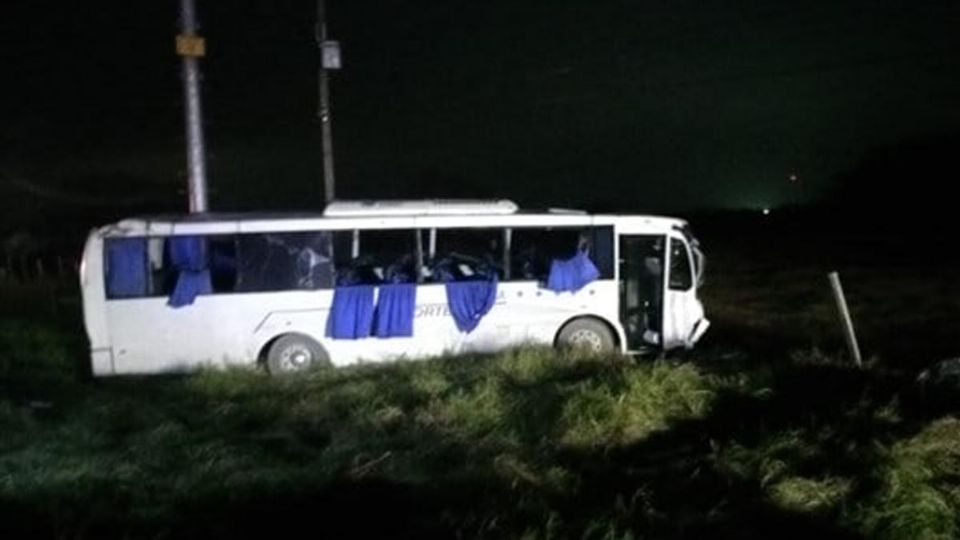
(529, 259)
(219, 256)
(342, 251)
(467, 253)
(385, 256)
(600, 247)
(162, 277)
(281, 261)
(533, 249)
(681, 276)
(222, 254)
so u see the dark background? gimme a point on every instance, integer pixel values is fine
(698, 108)
(655, 106)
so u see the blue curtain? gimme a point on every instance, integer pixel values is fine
(188, 257)
(572, 274)
(126, 267)
(469, 301)
(395, 308)
(351, 314)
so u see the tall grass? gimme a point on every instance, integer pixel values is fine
(529, 443)
(33, 352)
(919, 493)
(622, 407)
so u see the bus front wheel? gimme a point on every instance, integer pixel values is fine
(587, 334)
(294, 353)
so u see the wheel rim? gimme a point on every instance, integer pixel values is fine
(296, 358)
(586, 339)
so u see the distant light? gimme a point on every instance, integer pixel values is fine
(766, 211)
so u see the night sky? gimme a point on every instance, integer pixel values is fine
(651, 106)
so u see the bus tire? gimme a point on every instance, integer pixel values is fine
(295, 353)
(587, 334)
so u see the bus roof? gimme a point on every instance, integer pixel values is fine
(346, 215)
(434, 207)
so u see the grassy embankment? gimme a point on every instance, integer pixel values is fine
(756, 434)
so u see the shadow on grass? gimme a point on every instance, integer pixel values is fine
(469, 447)
(710, 477)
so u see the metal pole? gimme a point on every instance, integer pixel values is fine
(845, 319)
(196, 157)
(324, 110)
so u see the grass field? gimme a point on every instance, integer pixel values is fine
(765, 431)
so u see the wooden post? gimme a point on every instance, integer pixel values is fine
(845, 321)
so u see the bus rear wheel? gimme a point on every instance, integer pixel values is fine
(587, 335)
(294, 353)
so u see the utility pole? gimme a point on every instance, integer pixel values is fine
(191, 48)
(329, 59)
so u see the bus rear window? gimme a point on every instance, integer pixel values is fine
(125, 261)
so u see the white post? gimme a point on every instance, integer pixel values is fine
(845, 320)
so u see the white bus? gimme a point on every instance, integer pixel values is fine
(374, 281)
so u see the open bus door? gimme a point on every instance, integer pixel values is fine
(683, 320)
(641, 289)
(658, 309)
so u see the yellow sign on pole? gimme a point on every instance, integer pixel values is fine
(194, 46)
